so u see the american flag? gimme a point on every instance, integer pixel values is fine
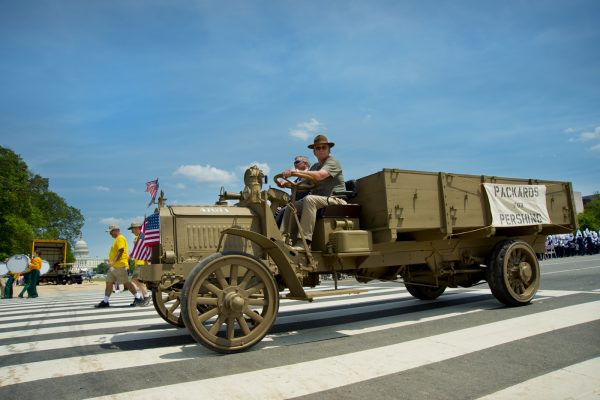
(149, 236)
(152, 188)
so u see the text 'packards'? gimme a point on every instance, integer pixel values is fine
(522, 192)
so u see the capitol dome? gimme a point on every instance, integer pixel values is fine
(81, 249)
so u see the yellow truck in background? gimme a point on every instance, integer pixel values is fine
(56, 270)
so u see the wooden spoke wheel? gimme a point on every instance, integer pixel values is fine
(229, 301)
(513, 273)
(425, 292)
(167, 303)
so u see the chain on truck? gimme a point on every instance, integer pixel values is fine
(220, 270)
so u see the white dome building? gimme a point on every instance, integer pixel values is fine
(83, 261)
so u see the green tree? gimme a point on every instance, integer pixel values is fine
(590, 217)
(102, 268)
(29, 210)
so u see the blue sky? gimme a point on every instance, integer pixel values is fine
(102, 96)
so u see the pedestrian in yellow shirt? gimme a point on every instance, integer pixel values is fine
(33, 275)
(135, 228)
(118, 259)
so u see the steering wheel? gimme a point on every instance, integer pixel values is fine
(307, 182)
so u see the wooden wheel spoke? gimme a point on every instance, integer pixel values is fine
(256, 302)
(221, 278)
(230, 328)
(253, 314)
(208, 315)
(233, 275)
(217, 325)
(255, 289)
(246, 279)
(174, 306)
(244, 326)
(209, 301)
(211, 288)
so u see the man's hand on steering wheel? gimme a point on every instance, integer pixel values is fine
(307, 182)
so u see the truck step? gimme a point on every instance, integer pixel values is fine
(324, 293)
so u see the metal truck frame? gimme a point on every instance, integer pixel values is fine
(222, 269)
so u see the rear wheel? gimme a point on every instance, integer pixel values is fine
(425, 292)
(166, 300)
(513, 273)
(229, 301)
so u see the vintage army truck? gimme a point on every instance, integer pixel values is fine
(220, 270)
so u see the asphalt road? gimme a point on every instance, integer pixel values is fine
(382, 344)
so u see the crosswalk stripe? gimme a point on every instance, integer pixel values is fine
(314, 315)
(79, 328)
(63, 343)
(557, 384)
(332, 372)
(421, 351)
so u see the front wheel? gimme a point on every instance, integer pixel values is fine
(513, 273)
(229, 301)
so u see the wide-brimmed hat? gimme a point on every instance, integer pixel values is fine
(134, 225)
(321, 139)
(112, 228)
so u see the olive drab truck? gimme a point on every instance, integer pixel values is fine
(220, 270)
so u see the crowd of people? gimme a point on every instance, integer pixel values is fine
(580, 243)
(118, 260)
(30, 279)
(118, 273)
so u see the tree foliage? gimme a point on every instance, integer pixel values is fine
(590, 217)
(102, 268)
(29, 210)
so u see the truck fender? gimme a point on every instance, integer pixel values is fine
(276, 253)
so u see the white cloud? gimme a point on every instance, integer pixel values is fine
(305, 129)
(102, 189)
(113, 221)
(264, 167)
(205, 174)
(179, 186)
(595, 134)
(584, 136)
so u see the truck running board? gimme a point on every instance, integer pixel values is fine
(310, 296)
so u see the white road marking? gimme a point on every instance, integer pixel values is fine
(332, 372)
(315, 375)
(569, 270)
(81, 328)
(578, 381)
(91, 340)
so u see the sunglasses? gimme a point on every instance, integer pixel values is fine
(298, 161)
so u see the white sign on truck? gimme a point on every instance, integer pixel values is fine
(517, 205)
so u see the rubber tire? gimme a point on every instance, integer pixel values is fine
(425, 292)
(502, 281)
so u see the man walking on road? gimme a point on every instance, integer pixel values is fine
(33, 275)
(135, 228)
(118, 259)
